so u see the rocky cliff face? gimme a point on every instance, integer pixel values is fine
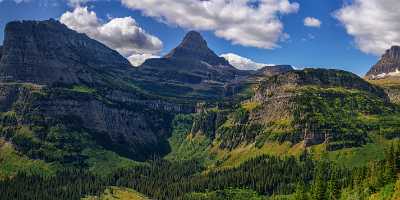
(274, 70)
(192, 68)
(318, 77)
(317, 102)
(194, 47)
(55, 77)
(389, 63)
(312, 106)
(47, 52)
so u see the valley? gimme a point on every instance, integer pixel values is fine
(80, 122)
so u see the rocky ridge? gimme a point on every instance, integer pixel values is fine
(48, 52)
(274, 70)
(389, 64)
(305, 106)
(55, 77)
(192, 68)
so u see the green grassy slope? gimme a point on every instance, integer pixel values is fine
(117, 193)
(13, 162)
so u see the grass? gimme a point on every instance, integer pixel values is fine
(387, 82)
(117, 193)
(12, 162)
(104, 162)
(355, 156)
(187, 146)
(236, 194)
(250, 105)
(242, 154)
(392, 87)
(385, 193)
(83, 89)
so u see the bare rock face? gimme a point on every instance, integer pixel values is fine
(193, 65)
(52, 76)
(389, 63)
(194, 47)
(319, 77)
(1, 51)
(275, 70)
(288, 96)
(47, 52)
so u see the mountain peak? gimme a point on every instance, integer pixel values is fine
(194, 47)
(387, 65)
(194, 40)
(26, 56)
(393, 52)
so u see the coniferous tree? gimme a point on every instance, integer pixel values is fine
(301, 192)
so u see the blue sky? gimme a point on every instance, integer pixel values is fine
(329, 45)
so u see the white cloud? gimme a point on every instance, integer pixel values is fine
(243, 63)
(138, 59)
(121, 34)
(312, 22)
(245, 22)
(374, 24)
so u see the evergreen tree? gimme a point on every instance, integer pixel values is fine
(333, 187)
(301, 192)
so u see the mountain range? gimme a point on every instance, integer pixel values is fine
(70, 102)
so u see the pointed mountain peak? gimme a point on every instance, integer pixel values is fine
(194, 47)
(393, 52)
(194, 40)
(389, 64)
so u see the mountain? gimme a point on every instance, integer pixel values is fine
(190, 70)
(389, 64)
(275, 70)
(194, 47)
(62, 88)
(77, 120)
(1, 51)
(386, 73)
(305, 106)
(73, 58)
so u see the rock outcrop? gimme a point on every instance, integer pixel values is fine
(191, 67)
(275, 70)
(53, 76)
(320, 77)
(311, 105)
(194, 47)
(47, 52)
(387, 65)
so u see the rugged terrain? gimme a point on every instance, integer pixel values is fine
(191, 70)
(77, 118)
(388, 65)
(80, 87)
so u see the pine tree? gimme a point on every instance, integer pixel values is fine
(301, 192)
(319, 185)
(333, 187)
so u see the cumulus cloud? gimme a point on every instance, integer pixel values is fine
(138, 59)
(374, 24)
(312, 22)
(252, 23)
(243, 63)
(121, 34)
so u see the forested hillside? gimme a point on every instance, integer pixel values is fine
(186, 126)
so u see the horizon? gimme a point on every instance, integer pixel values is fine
(294, 32)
